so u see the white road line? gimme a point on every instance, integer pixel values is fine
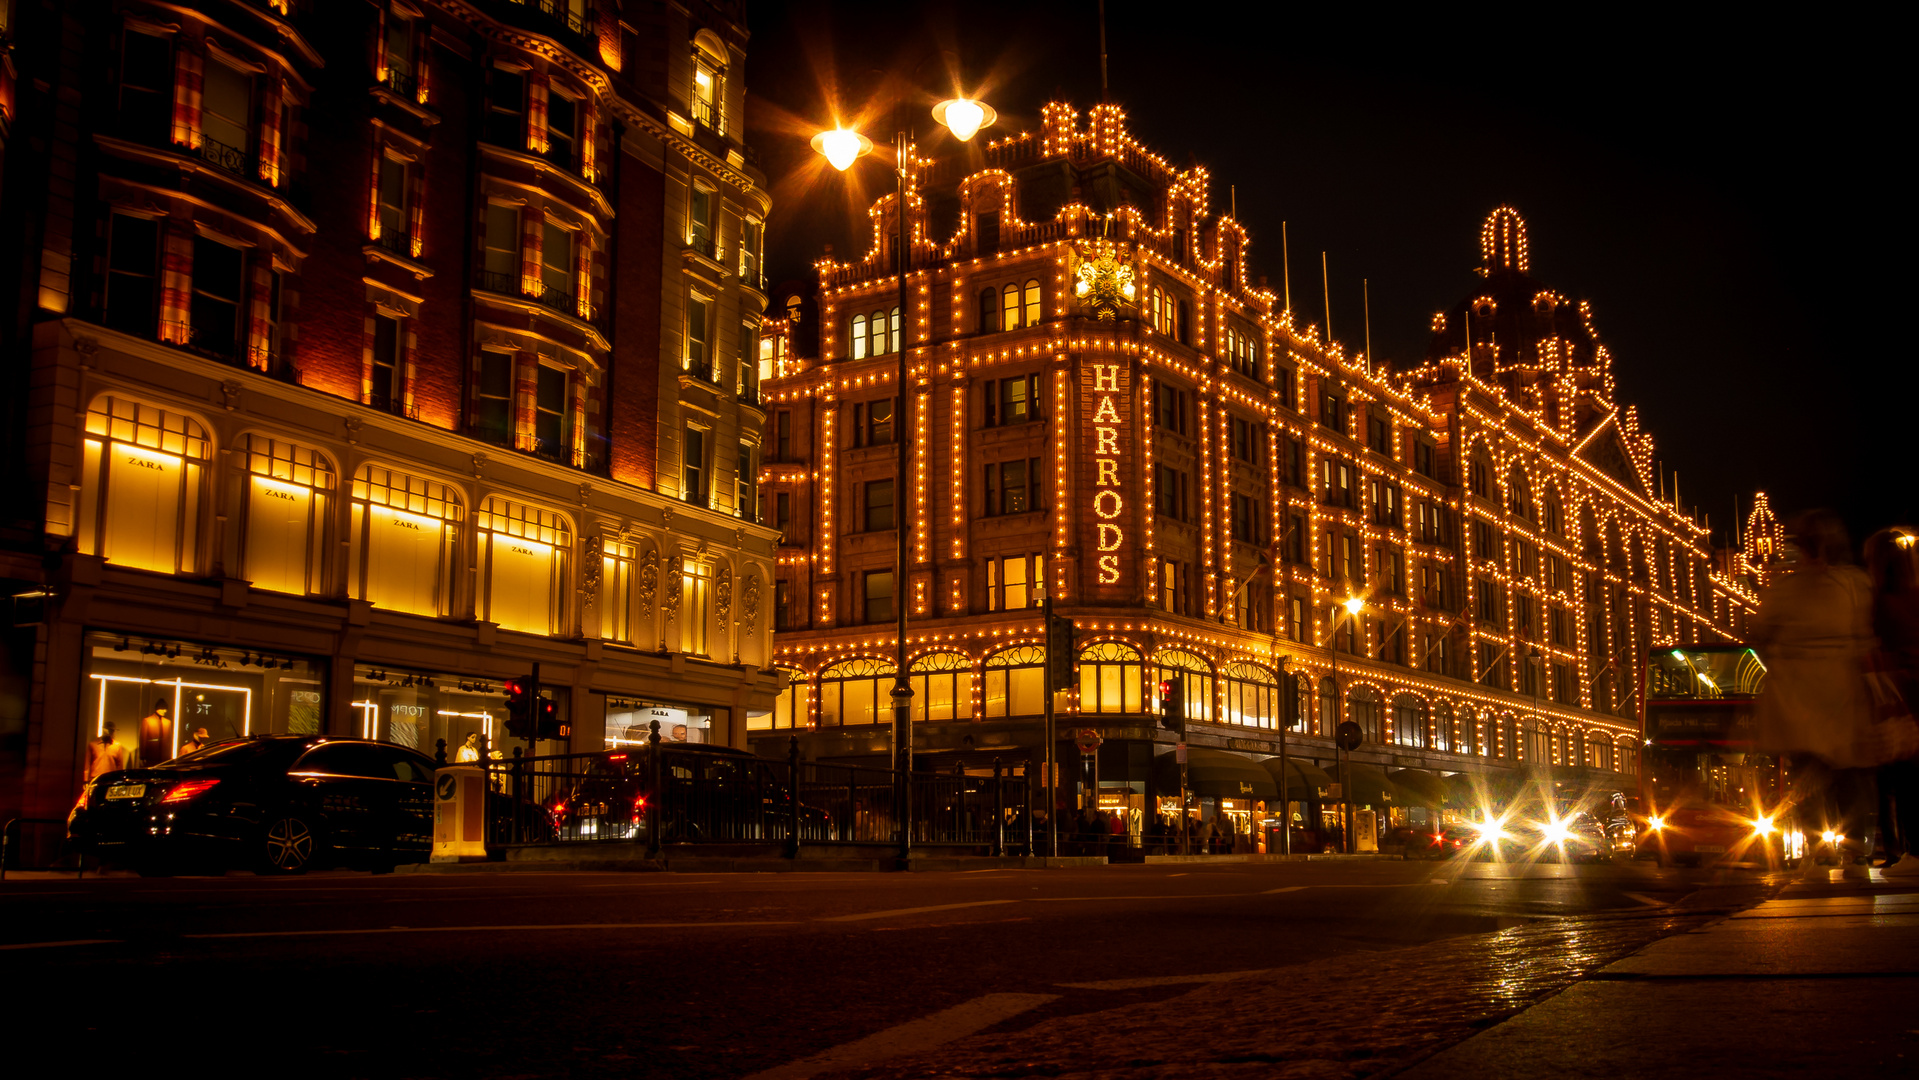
(61, 944)
(1168, 896)
(911, 1037)
(1167, 980)
(1285, 888)
(1644, 899)
(487, 929)
(864, 915)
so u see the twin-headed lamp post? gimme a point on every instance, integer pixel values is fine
(964, 117)
(1352, 605)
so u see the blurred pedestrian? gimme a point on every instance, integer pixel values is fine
(1892, 561)
(1814, 633)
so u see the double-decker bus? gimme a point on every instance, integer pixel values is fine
(1706, 795)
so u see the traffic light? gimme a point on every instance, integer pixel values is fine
(519, 723)
(1060, 673)
(1172, 704)
(549, 726)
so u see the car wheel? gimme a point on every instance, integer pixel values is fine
(288, 845)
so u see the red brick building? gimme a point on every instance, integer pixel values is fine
(369, 353)
(1104, 407)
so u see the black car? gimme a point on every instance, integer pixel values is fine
(272, 803)
(707, 793)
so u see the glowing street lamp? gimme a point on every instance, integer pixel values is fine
(842, 147)
(964, 116)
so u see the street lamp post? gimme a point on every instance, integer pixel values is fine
(842, 147)
(1285, 776)
(1352, 605)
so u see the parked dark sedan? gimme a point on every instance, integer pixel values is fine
(273, 803)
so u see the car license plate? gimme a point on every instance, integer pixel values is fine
(1710, 849)
(126, 791)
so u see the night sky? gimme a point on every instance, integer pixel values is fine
(1725, 191)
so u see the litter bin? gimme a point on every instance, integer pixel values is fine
(459, 814)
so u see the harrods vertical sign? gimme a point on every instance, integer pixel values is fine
(1104, 495)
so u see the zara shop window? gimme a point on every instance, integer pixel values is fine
(629, 722)
(151, 696)
(523, 556)
(401, 541)
(143, 471)
(289, 497)
(418, 709)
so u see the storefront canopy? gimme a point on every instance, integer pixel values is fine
(1214, 772)
(1304, 780)
(1371, 788)
(1422, 788)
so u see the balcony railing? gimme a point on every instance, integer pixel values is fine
(700, 369)
(704, 245)
(505, 284)
(704, 114)
(396, 241)
(400, 81)
(221, 156)
(564, 302)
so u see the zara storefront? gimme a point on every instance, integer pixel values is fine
(281, 560)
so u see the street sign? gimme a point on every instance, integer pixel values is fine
(1179, 754)
(1350, 736)
(1087, 739)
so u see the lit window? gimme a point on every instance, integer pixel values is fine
(402, 539)
(142, 480)
(1009, 308)
(619, 564)
(856, 692)
(289, 492)
(696, 588)
(522, 563)
(942, 687)
(1014, 582)
(1109, 679)
(1015, 682)
(1032, 303)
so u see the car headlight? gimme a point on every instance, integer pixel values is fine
(1655, 823)
(1763, 826)
(1555, 832)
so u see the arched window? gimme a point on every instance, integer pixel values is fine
(1519, 494)
(1365, 710)
(1016, 682)
(1627, 756)
(401, 541)
(1183, 324)
(523, 570)
(1443, 728)
(856, 692)
(1197, 675)
(942, 687)
(859, 337)
(1109, 679)
(879, 340)
(1508, 739)
(1598, 750)
(1537, 743)
(988, 311)
(1252, 695)
(1009, 308)
(288, 496)
(1409, 721)
(1032, 303)
(1299, 703)
(141, 478)
(1328, 717)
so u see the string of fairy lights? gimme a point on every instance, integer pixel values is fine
(1525, 433)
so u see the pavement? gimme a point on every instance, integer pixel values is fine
(1819, 978)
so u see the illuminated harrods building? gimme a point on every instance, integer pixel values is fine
(1104, 406)
(372, 352)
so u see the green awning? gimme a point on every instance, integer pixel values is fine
(1422, 788)
(1214, 772)
(1371, 788)
(1304, 780)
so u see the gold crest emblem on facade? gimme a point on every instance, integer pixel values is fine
(1103, 281)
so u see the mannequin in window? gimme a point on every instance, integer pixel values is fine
(156, 734)
(103, 755)
(468, 751)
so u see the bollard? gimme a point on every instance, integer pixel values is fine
(999, 812)
(439, 751)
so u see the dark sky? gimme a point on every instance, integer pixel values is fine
(1724, 190)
